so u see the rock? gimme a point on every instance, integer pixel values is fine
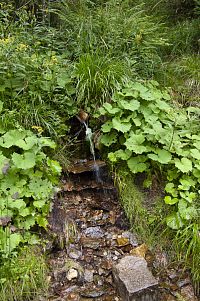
(81, 167)
(94, 232)
(72, 274)
(88, 275)
(183, 282)
(92, 293)
(132, 238)
(75, 254)
(134, 280)
(139, 251)
(73, 297)
(92, 243)
(71, 266)
(122, 241)
(187, 292)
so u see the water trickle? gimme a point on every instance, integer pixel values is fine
(89, 134)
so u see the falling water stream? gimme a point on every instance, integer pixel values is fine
(89, 134)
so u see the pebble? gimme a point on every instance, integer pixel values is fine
(72, 274)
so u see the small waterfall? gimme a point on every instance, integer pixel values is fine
(88, 133)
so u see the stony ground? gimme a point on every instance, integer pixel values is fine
(89, 235)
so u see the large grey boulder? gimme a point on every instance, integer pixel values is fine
(134, 281)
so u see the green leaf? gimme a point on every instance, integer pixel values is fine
(119, 154)
(131, 105)
(134, 143)
(106, 127)
(121, 126)
(24, 161)
(170, 201)
(186, 212)
(163, 156)
(136, 164)
(188, 196)
(54, 166)
(28, 223)
(18, 204)
(184, 165)
(139, 87)
(195, 153)
(11, 138)
(63, 79)
(175, 221)
(47, 142)
(169, 188)
(186, 183)
(39, 204)
(27, 143)
(163, 105)
(42, 221)
(109, 108)
(14, 241)
(108, 139)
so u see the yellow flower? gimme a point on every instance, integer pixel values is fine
(21, 47)
(39, 129)
(54, 59)
(6, 41)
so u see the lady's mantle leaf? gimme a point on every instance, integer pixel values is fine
(121, 126)
(137, 164)
(110, 109)
(170, 201)
(163, 156)
(195, 153)
(131, 105)
(119, 154)
(134, 143)
(184, 165)
(24, 161)
(186, 212)
(174, 221)
(106, 127)
(108, 139)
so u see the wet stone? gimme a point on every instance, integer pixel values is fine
(94, 232)
(88, 276)
(92, 293)
(92, 243)
(134, 280)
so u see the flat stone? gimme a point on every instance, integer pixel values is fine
(134, 280)
(84, 166)
(92, 243)
(94, 232)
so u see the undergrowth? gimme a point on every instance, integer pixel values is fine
(24, 277)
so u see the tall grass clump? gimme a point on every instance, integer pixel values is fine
(24, 277)
(97, 77)
(119, 28)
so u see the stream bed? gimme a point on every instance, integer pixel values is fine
(89, 234)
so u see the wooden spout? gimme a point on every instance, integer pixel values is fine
(82, 116)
